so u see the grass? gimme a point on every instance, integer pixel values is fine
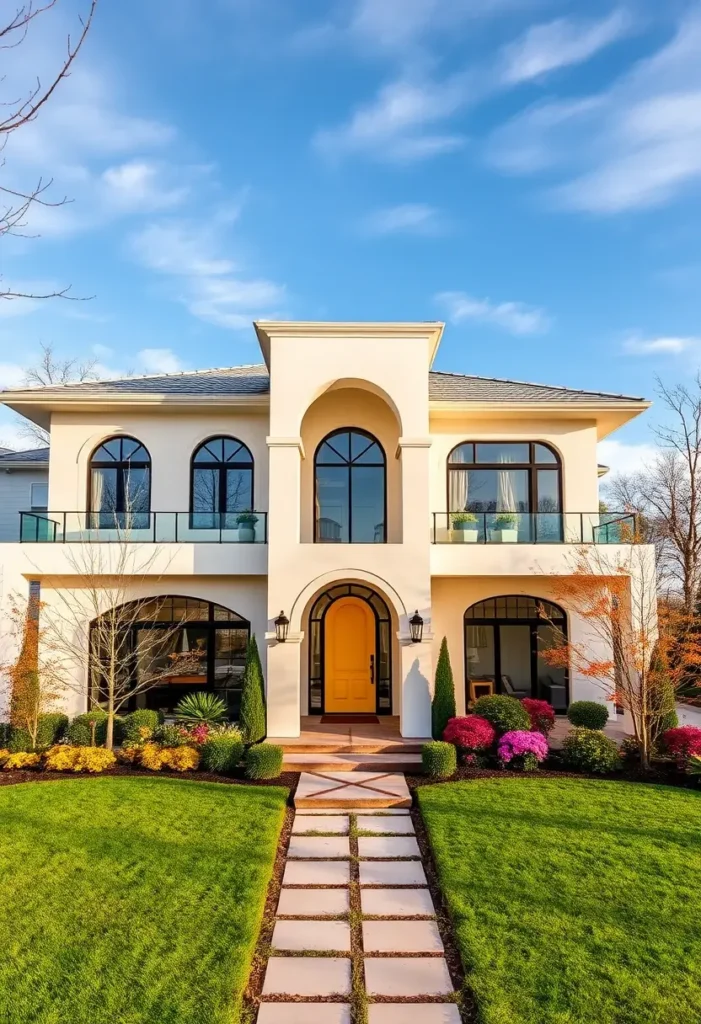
(574, 901)
(131, 900)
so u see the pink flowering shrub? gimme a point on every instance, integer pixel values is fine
(682, 743)
(469, 733)
(541, 714)
(200, 733)
(522, 749)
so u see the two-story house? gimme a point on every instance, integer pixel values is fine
(342, 501)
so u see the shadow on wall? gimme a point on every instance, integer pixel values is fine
(416, 701)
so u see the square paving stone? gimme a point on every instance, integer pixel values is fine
(313, 902)
(318, 872)
(395, 902)
(380, 823)
(302, 847)
(308, 976)
(399, 937)
(407, 976)
(310, 823)
(301, 936)
(388, 846)
(392, 872)
(412, 1013)
(307, 1013)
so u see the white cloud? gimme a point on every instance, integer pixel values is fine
(208, 284)
(11, 375)
(405, 219)
(643, 135)
(660, 346)
(102, 351)
(140, 185)
(514, 317)
(397, 124)
(560, 43)
(626, 458)
(159, 360)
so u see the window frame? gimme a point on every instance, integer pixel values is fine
(222, 468)
(531, 466)
(349, 465)
(42, 507)
(120, 465)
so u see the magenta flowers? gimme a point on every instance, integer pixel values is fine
(469, 733)
(522, 749)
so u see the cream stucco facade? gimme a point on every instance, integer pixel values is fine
(317, 379)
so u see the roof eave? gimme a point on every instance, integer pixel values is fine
(608, 415)
(265, 330)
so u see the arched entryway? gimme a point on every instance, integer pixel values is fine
(505, 638)
(350, 652)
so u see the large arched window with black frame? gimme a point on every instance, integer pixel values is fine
(119, 488)
(383, 645)
(167, 647)
(221, 483)
(350, 489)
(498, 486)
(505, 642)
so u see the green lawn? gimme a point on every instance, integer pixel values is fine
(574, 902)
(131, 901)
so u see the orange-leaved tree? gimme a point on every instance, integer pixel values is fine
(636, 649)
(34, 686)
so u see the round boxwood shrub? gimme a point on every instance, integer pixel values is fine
(506, 714)
(222, 752)
(439, 760)
(140, 719)
(52, 728)
(79, 732)
(588, 750)
(263, 761)
(588, 714)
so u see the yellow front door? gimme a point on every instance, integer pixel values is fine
(349, 663)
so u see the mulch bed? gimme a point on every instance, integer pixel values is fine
(288, 779)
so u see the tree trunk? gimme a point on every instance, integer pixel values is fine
(109, 737)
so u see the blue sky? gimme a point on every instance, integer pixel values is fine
(528, 171)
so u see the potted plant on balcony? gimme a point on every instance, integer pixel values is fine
(505, 530)
(464, 528)
(246, 522)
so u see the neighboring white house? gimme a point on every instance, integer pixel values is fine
(24, 487)
(381, 491)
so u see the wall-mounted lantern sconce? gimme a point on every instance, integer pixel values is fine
(282, 625)
(416, 625)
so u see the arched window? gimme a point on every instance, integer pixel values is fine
(507, 484)
(222, 483)
(168, 647)
(505, 642)
(120, 485)
(350, 489)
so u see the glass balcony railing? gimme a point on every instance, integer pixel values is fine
(533, 528)
(144, 527)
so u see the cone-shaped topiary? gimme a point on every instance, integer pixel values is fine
(252, 714)
(443, 704)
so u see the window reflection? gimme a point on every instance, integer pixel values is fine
(350, 489)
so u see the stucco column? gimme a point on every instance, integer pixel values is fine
(284, 662)
(417, 686)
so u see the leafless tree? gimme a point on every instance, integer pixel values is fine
(52, 369)
(668, 493)
(22, 110)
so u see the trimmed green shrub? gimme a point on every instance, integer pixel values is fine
(588, 714)
(443, 703)
(79, 732)
(505, 713)
(201, 708)
(5, 733)
(222, 751)
(140, 719)
(252, 714)
(588, 750)
(439, 760)
(52, 728)
(263, 761)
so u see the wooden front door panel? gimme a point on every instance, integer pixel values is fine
(349, 643)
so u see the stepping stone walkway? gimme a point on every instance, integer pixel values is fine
(355, 926)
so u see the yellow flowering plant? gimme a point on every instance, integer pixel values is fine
(180, 759)
(4, 754)
(79, 759)
(21, 760)
(152, 757)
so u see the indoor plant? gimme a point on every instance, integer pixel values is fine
(464, 527)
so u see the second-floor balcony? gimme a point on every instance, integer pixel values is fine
(144, 527)
(533, 528)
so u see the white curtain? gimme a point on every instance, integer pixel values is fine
(457, 489)
(97, 490)
(506, 498)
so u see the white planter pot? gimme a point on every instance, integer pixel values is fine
(464, 536)
(247, 534)
(503, 536)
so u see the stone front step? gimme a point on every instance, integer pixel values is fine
(342, 789)
(328, 762)
(365, 746)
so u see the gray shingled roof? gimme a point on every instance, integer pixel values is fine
(37, 455)
(253, 380)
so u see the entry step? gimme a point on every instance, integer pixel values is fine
(330, 762)
(366, 790)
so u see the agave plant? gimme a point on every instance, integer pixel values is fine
(201, 709)
(694, 765)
